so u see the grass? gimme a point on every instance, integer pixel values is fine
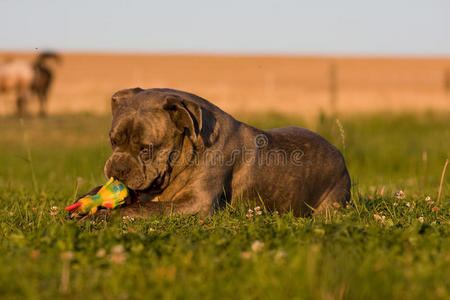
(376, 248)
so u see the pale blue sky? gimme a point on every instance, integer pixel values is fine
(336, 27)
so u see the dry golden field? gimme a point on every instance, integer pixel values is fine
(294, 85)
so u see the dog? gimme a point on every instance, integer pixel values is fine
(180, 154)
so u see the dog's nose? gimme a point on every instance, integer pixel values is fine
(120, 170)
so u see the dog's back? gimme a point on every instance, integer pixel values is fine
(296, 169)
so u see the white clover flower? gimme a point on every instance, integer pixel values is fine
(400, 195)
(67, 255)
(101, 253)
(379, 218)
(246, 255)
(118, 254)
(279, 256)
(434, 209)
(54, 210)
(257, 246)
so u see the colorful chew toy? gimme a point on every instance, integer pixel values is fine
(111, 195)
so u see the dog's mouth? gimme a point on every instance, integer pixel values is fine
(158, 183)
(156, 187)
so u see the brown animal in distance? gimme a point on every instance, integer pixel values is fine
(27, 79)
(43, 78)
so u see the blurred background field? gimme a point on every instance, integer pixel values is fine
(286, 84)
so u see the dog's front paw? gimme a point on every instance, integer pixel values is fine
(100, 215)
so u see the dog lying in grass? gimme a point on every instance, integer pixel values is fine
(179, 154)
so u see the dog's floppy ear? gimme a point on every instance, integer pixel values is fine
(186, 115)
(122, 95)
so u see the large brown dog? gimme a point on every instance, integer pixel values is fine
(181, 154)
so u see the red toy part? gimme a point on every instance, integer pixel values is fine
(73, 207)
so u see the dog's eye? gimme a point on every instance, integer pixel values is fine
(135, 139)
(146, 153)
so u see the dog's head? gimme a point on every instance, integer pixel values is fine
(149, 132)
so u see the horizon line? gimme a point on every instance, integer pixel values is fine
(110, 52)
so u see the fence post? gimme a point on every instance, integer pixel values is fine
(333, 87)
(447, 81)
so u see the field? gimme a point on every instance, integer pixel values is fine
(379, 247)
(238, 84)
(389, 116)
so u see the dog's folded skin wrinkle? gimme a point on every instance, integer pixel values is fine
(217, 159)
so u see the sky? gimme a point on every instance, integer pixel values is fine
(294, 27)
